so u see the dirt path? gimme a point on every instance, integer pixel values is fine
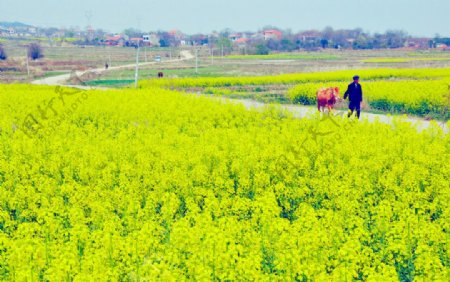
(61, 79)
(303, 111)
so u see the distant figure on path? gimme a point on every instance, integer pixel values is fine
(106, 65)
(160, 74)
(354, 93)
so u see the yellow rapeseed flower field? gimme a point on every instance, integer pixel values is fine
(419, 97)
(423, 92)
(156, 185)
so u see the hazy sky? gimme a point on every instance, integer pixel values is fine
(417, 17)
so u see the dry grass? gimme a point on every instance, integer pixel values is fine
(67, 58)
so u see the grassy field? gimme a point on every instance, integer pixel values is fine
(69, 57)
(171, 70)
(310, 56)
(405, 60)
(252, 66)
(66, 57)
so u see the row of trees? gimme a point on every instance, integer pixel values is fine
(329, 38)
(346, 39)
(309, 40)
(34, 51)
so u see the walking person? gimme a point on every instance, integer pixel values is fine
(355, 97)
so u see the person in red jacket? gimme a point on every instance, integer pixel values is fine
(355, 96)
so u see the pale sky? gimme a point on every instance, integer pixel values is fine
(417, 17)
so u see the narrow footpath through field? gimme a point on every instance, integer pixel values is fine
(60, 79)
(299, 111)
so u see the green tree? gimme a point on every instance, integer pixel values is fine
(69, 33)
(133, 32)
(224, 42)
(262, 49)
(287, 45)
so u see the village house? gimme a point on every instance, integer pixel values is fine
(116, 40)
(176, 34)
(151, 39)
(309, 36)
(272, 34)
(235, 36)
(7, 32)
(135, 41)
(442, 47)
(418, 43)
(4, 31)
(241, 42)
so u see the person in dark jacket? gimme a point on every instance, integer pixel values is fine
(354, 93)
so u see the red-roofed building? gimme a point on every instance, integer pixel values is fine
(241, 41)
(116, 40)
(443, 47)
(272, 34)
(418, 43)
(176, 34)
(235, 36)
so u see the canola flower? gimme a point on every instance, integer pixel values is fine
(420, 97)
(287, 56)
(422, 92)
(405, 59)
(152, 184)
(292, 79)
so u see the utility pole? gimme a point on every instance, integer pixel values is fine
(196, 60)
(28, 66)
(145, 52)
(212, 56)
(137, 67)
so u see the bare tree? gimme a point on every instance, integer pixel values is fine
(396, 38)
(328, 33)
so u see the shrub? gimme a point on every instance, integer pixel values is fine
(35, 51)
(262, 49)
(3, 55)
